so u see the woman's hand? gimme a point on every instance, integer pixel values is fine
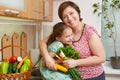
(50, 63)
(70, 63)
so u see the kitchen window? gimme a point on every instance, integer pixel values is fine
(108, 42)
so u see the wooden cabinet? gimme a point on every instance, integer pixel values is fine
(33, 9)
(41, 10)
(48, 10)
(7, 8)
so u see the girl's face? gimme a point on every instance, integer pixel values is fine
(66, 37)
(70, 17)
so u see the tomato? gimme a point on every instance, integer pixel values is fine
(13, 59)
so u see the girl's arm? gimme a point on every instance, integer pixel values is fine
(49, 61)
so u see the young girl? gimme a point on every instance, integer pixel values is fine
(60, 33)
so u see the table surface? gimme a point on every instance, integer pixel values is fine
(109, 70)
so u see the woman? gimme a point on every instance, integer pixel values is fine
(85, 40)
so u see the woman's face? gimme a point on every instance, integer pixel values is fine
(70, 17)
(66, 37)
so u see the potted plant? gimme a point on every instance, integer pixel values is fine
(108, 14)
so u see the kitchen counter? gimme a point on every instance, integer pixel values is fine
(109, 70)
(111, 74)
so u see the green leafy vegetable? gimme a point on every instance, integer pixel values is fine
(66, 52)
(70, 52)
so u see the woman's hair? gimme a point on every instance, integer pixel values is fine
(66, 4)
(57, 32)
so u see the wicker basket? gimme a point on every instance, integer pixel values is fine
(18, 76)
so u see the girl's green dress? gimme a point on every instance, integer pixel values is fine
(50, 74)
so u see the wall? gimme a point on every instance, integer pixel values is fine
(86, 13)
(8, 27)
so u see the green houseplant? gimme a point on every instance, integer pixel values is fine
(108, 13)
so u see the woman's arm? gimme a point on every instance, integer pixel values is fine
(49, 61)
(98, 57)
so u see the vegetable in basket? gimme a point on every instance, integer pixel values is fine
(27, 61)
(4, 67)
(14, 70)
(10, 68)
(20, 64)
(13, 59)
(25, 66)
(19, 59)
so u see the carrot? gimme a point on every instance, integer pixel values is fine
(20, 63)
(58, 57)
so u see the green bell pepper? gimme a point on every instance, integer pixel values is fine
(24, 68)
(27, 61)
(4, 67)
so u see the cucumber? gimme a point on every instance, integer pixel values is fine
(10, 68)
(14, 69)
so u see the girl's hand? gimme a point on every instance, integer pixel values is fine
(70, 63)
(52, 54)
(50, 63)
